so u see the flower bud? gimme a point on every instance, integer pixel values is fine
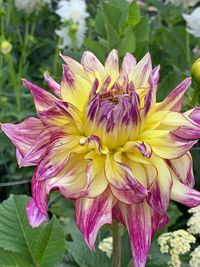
(6, 47)
(73, 28)
(195, 70)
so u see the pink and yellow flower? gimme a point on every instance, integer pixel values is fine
(104, 142)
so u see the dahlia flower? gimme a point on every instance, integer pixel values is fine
(104, 142)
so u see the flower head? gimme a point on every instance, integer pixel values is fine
(194, 221)
(106, 245)
(195, 258)
(5, 47)
(176, 243)
(193, 22)
(104, 142)
(73, 15)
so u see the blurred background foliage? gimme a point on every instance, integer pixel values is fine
(33, 48)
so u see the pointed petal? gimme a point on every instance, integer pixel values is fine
(194, 114)
(92, 214)
(74, 88)
(137, 218)
(185, 195)
(43, 100)
(182, 168)
(140, 74)
(128, 64)
(30, 138)
(35, 216)
(112, 65)
(91, 64)
(174, 100)
(52, 84)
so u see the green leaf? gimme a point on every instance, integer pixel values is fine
(128, 43)
(112, 36)
(100, 24)
(43, 246)
(142, 30)
(96, 47)
(83, 256)
(11, 259)
(113, 15)
(134, 15)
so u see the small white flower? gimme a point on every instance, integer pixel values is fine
(106, 245)
(73, 15)
(28, 6)
(195, 258)
(193, 22)
(175, 243)
(194, 221)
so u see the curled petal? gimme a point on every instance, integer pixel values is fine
(52, 84)
(144, 148)
(62, 146)
(185, 195)
(43, 100)
(174, 100)
(121, 177)
(97, 182)
(182, 168)
(194, 114)
(160, 188)
(92, 214)
(30, 138)
(35, 216)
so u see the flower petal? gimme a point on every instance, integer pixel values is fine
(128, 64)
(121, 177)
(174, 100)
(160, 187)
(62, 146)
(74, 88)
(140, 74)
(137, 218)
(52, 84)
(112, 65)
(92, 214)
(30, 138)
(35, 216)
(182, 168)
(43, 100)
(185, 195)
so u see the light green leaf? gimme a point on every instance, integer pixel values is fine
(11, 259)
(128, 43)
(134, 15)
(43, 246)
(142, 30)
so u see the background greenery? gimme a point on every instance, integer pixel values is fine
(153, 27)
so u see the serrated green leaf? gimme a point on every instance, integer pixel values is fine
(112, 36)
(134, 15)
(128, 43)
(142, 30)
(113, 15)
(43, 246)
(100, 24)
(11, 259)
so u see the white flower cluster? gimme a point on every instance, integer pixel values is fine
(193, 22)
(194, 221)
(106, 245)
(176, 243)
(28, 6)
(195, 258)
(73, 14)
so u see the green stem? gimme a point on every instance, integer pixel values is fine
(187, 44)
(14, 80)
(195, 96)
(24, 48)
(131, 263)
(56, 57)
(116, 245)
